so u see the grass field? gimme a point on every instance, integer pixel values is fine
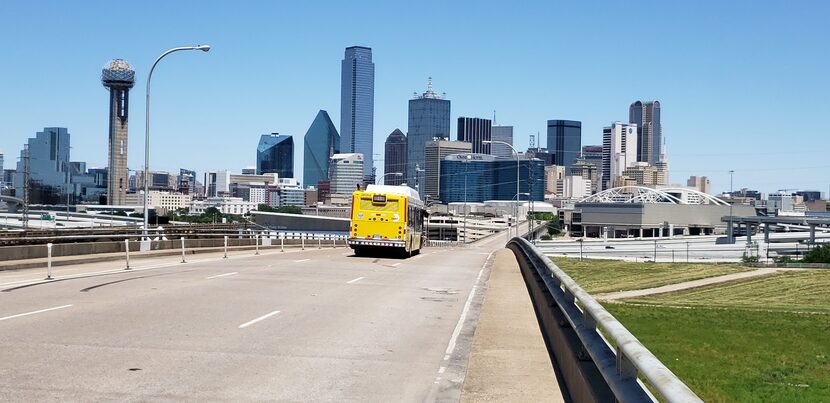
(796, 291)
(602, 276)
(738, 355)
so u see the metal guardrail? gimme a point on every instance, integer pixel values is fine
(598, 357)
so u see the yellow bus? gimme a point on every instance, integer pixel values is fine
(387, 219)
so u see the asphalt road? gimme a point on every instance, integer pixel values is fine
(314, 325)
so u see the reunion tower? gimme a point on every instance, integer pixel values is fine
(118, 77)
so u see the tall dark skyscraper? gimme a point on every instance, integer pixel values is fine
(394, 157)
(118, 77)
(649, 130)
(429, 117)
(321, 142)
(275, 154)
(564, 141)
(357, 104)
(474, 131)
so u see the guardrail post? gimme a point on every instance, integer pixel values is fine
(49, 261)
(183, 261)
(319, 242)
(333, 242)
(302, 241)
(226, 247)
(282, 243)
(256, 243)
(127, 251)
(625, 368)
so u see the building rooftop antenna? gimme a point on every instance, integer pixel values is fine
(494, 117)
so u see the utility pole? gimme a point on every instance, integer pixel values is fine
(25, 219)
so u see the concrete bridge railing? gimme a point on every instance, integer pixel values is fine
(595, 355)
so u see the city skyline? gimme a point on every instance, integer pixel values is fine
(231, 99)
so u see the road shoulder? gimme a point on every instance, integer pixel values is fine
(509, 361)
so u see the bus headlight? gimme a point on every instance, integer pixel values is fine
(396, 217)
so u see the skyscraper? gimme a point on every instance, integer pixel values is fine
(117, 76)
(505, 134)
(564, 141)
(646, 115)
(475, 131)
(394, 158)
(321, 141)
(619, 151)
(434, 152)
(357, 104)
(478, 177)
(48, 167)
(429, 117)
(275, 154)
(345, 171)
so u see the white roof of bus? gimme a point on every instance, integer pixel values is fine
(401, 190)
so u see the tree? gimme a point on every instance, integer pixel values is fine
(553, 228)
(819, 254)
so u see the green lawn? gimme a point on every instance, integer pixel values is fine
(738, 355)
(602, 276)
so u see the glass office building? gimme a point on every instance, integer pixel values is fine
(48, 166)
(394, 158)
(480, 177)
(564, 141)
(649, 130)
(321, 141)
(357, 104)
(429, 118)
(275, 154)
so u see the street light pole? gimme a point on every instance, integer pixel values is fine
(516, 209)
(731, 202)
(203, 48)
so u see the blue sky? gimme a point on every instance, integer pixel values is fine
(744, 85)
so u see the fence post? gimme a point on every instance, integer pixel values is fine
(256, 242)
(49, 261)
(672, 255)
(655, 251)
(183, 261)
(282, 243)
(319, 242)
(334, 242)
(226, 248)
(302, 240)
(127, 250)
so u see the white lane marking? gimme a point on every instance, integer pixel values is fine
(301, 260)
(221, 275)
(441, 370)
(355, 280)
(457, 330)
(35, 312)
(266, 316)
(396, 264)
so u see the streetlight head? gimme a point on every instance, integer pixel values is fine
(486, 141)
(203, 48)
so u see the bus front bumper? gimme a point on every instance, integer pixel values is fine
(353, 242)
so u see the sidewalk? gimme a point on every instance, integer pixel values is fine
(509, 361)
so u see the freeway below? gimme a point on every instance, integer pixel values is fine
(678, 249)
(314, 325)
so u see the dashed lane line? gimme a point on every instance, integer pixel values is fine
(35, 312)
(263, 317)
